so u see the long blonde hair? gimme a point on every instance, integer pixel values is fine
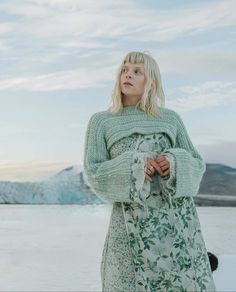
(153, 95)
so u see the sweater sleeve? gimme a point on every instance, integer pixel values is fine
(189, 165)
(109, 179)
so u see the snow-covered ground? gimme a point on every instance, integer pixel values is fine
(59, 247)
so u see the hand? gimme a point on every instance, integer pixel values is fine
(163, 165)
(151, 167)
(159, 164)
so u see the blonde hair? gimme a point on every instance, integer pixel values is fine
(153, 95)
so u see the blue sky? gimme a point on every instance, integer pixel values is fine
(58, 64)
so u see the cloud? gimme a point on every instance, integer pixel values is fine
(65, 80)
(26, 9)
(87, 45)
(196, 60)
(66, 28)
(6, 27)
(89, 19)
(211, 93)
(49, 31)
(168, 25)
(3, 46)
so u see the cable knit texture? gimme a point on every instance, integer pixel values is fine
(154, 241)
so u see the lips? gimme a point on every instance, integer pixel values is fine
(128, 83)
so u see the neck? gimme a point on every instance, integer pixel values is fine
(130, 101)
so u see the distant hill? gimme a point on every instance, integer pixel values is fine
(218, 187)
(218, 179)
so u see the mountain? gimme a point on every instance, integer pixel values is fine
(218, 179)
(218, 187)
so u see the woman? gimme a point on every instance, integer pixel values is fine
(138, 156)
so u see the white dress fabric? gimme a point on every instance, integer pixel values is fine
(155, 243)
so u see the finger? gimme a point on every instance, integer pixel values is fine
(154, 164)
(160, 158)
(148, 160)
(148, 178)
(159, 170)
(163, 163)
(166, 172)
(151, 166)
(148, 163)
(148, 171)
(164, 168)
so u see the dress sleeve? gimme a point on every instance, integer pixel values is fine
(109, 179)
(189, 165)
(140, 188)
(168, 183)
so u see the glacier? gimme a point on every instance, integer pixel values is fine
(66, 187)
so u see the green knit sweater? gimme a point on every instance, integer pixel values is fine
(110, 178)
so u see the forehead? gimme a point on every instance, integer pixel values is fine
(134, 65)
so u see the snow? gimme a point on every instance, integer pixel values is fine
(59, 247)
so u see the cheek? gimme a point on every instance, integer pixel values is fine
(142, 83)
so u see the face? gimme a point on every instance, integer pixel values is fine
(132, 82)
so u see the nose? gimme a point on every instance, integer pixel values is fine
(128, 75)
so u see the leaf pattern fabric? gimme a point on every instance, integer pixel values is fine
(164, 239)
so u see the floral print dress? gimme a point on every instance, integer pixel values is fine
(165, 250)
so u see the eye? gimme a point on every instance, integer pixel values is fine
(138, 71)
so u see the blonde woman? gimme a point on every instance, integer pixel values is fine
(139, 157)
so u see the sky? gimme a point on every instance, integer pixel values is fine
(59, 58)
